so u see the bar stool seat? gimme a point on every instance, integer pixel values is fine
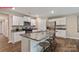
(44, 45)
(53, 44)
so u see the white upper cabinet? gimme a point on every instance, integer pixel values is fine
(17, 20)
(63, 21)
(60, 21)
(21, 20)
(33, 22)
(28, 19)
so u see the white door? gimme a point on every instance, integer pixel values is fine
(3, 27)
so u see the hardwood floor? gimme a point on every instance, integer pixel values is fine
(63, 45)
(7, 47)
(67, 45)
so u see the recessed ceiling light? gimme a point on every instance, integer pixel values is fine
(13, 8)
(52, 11)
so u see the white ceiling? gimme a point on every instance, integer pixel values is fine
(46, 11)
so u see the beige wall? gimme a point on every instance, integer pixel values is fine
(72, 24)
(72, 27)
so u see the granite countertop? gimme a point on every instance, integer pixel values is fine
(38, 36)
(17, 30)
(61, 28)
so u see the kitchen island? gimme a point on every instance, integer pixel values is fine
(30, 41)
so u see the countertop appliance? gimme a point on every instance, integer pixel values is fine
(27, 27)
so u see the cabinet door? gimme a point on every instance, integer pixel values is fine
(33, 22)
(17, 37)
(21, 21)
(63, 21)
(61, 33)
(15, 20)
(58, 22)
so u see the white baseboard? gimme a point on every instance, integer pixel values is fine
(69, 38)
(73, 38)
(11, 42)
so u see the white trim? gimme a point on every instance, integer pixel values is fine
(11, 42)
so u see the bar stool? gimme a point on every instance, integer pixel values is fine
(52, 45)
(44, 45)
